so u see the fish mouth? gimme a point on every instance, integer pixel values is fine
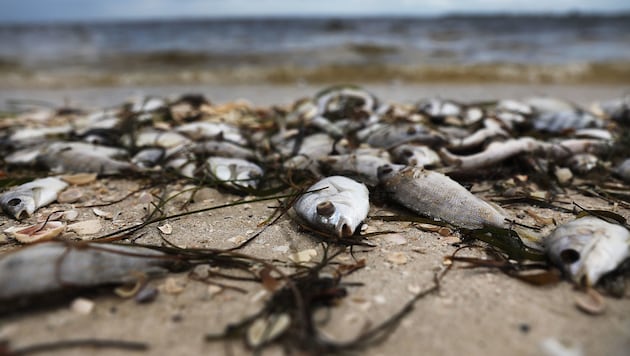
(344, 229)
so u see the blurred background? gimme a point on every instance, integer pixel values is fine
(76, 43)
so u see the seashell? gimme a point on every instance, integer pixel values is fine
(71, 195)
(70, 215)
(79, 179)
(36, 233)
(87, 227)
(398, 258)
(166, 229)
(264, 330)
(303, 256)
(103, 214)
(82, 306)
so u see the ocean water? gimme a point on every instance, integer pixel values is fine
(476, 48)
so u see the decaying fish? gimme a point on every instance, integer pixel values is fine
(416, 155)
(339, 207)
(23, 200)
(86, 158)
(438, 196)
(54, 266)
(388, 136)
(362, 166)
(235, 172)
(588, 248)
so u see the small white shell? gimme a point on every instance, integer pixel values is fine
(37, 232)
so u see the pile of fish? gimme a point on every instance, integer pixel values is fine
(353, 144)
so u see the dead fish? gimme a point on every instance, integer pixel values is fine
(388, 136)
(164, 139)
(439, 108)
(497, 152)
(212, 131)
(492, 129)
(438, 196)
(415, 155)
(588, 248)
(223, 148)
(23, 200)
(88, 159)
(362, 166)
(53, 266)
(339, 207)
(235, 172)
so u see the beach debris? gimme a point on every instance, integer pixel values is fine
(55, 266)
(82, 306)
(303, 256)
(553, 347)
(166, 229)
(36, 233)
(108, 215)
(70, 195)
(591, 303)
(235, 172)
(588, 248)
(397, 258)
(264, 330)
(22, 201)
(79, 178)
(335, 204)
(86, 227)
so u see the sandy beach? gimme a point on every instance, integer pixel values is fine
(476, 311)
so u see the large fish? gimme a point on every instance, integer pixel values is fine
(338, 205)
(23, 200)
(588, 248)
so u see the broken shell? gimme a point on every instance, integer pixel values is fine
(103, 214)
(38, 232)
(82, 306)
(166, 229)
(264, 330)
(70, 215)
(87, 227)
(79, 179)
(593, 303)
(303, 256)
(70, 196)
(399, 258)
(172, 286)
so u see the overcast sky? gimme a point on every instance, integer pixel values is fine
(63, 10)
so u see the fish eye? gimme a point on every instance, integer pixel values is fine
(569, 256)
(14, 202)
(326, 208)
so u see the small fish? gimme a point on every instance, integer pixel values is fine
(23, 200)
(388, 136)
(235, 172)
(339, 207)
(438, 196)
(52, 266)
(588, 248)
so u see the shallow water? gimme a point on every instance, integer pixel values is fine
(482, 48)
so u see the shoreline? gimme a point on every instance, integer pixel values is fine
(265, 94)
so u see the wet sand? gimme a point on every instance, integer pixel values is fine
(476, 312)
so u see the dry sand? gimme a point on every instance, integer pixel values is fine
(476, 312)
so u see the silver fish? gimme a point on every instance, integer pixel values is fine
(88, 158)
(52, 266)
(339, 207)
(387, 136)
(588, 248)
(235, 172)
(436, 195)
(363, 166)
(23, 200)
(416, 155)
